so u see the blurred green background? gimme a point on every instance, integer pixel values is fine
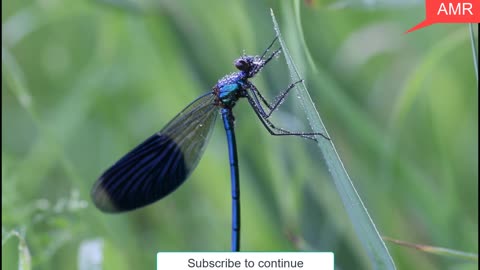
(83, 82)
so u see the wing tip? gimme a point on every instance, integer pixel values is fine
(102, 199)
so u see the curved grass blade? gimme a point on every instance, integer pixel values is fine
(413, 85)
(159, 165)
(24, 255)
(462, 255)
(361, 221)
(474, 49)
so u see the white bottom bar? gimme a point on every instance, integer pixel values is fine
(245, 260)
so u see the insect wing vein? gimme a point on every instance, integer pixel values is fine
(160, 164)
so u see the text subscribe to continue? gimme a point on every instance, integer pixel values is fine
(245, 260)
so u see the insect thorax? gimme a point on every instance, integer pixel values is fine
(229, 89)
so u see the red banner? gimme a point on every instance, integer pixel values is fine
(452, 11)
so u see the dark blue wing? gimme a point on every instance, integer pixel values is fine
(160, 164)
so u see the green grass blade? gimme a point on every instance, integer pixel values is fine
(474, 49)
(414, 82)
(24, 255)
(361, 221)
(462, 255)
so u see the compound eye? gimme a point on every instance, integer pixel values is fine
(241, 64)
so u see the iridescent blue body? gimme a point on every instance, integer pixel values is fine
(159, 165)
(228, 90)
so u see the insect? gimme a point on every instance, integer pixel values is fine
(159, 165)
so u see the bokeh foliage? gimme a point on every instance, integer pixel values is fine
(84, 82)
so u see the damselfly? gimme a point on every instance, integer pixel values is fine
(159, 165)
